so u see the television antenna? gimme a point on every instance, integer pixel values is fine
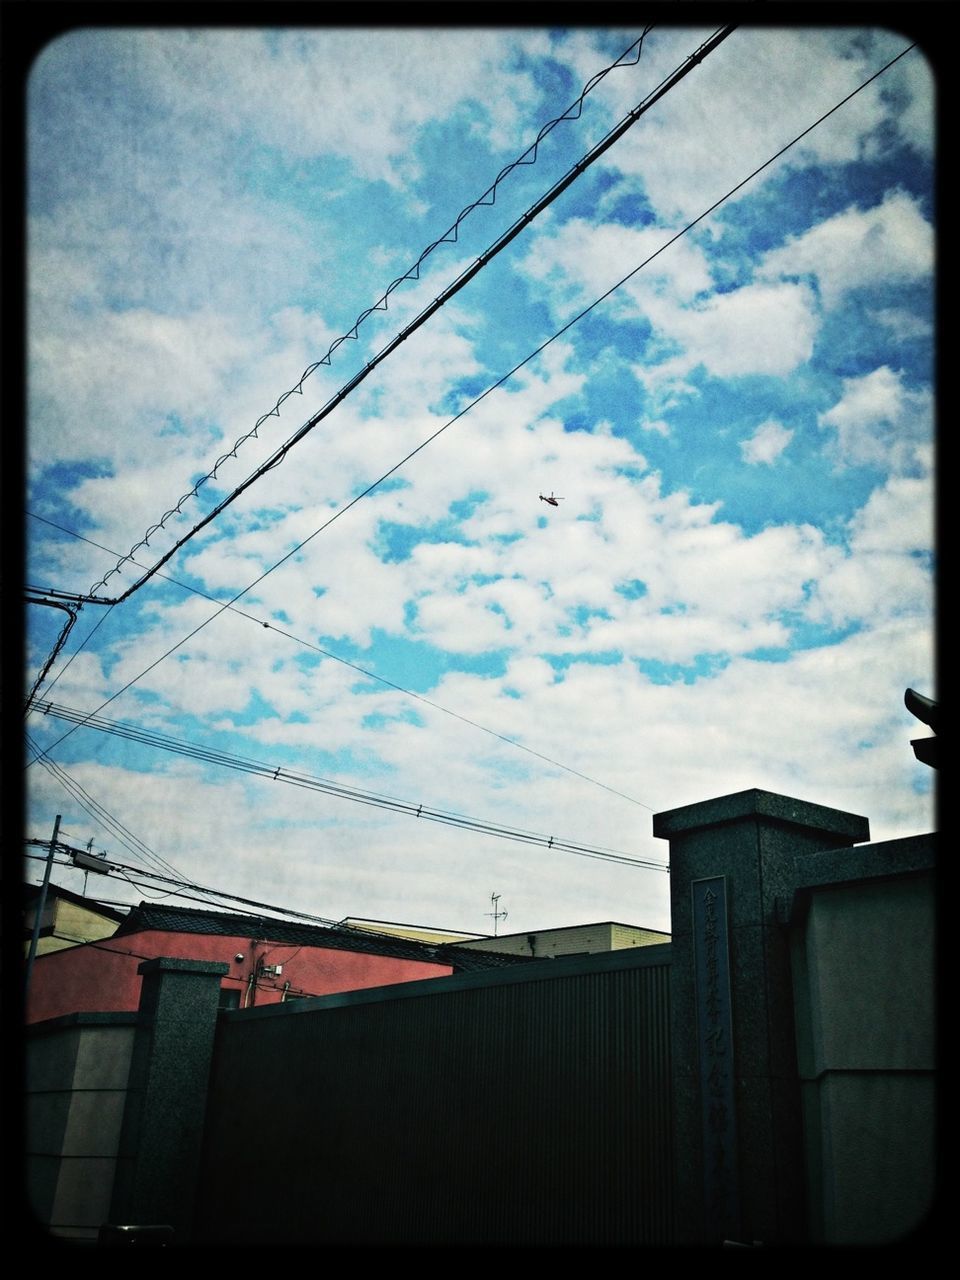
(497, 914)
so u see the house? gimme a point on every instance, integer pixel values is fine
(422, 933)
(574, 940)
(571, 940)
(269, 961)
(67, 919)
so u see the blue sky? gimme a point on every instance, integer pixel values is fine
(737, 585)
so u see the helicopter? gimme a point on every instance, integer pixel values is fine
(552, 500)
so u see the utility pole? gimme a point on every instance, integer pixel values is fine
(41, 903)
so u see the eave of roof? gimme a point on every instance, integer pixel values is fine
(31, 892)
(149, 917)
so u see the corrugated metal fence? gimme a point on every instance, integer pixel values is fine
(526, 1107)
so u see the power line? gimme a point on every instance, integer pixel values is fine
(91, 806)
(370, 675)
(195, 888)
(212, 755)
(77, 600)
(450, 236)
(498, 383)
(282, 913)
(61, 640)
(501, 243)
(96, 811)
(277, 457)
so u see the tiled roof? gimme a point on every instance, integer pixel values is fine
(170, 919)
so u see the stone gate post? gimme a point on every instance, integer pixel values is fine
(738, 1122)
(162, 1130)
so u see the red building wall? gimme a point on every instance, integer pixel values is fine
(101, 977)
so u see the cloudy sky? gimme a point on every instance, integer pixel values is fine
(724, 379)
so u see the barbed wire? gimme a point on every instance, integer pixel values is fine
(450, 236)
(464, 278)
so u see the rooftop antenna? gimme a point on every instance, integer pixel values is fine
(497, 915)
(90, 861)
(86, 872)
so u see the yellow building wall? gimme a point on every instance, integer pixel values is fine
(585, 939)
(73, 925)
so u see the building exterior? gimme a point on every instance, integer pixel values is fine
(68, 919)
(574, 940)
(268, 961)
(768, 1077)
(422, 933)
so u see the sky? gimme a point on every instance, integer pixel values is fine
(368, 257)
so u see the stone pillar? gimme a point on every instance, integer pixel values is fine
(162, 1132)
(738, 1123)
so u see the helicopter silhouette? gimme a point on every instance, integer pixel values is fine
(552, 500)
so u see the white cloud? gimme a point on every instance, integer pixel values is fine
(758, 329)
(875, 585)
(112, 388)
(887, 573)
(764, 328)
(899, 517)
(892, 243)
(767, 443)
(584, 259)
(879, 421)
(666, 745)
(903, 324)
(914, 106)
(710, 132)
(309, 92)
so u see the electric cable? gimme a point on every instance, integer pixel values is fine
(211, 755)
(307, 644)
(500, 381)
(78, 601)
(61, 640)
(220, 896)
(277, 457)
(100, 815)
(569, 324)
(450, 236)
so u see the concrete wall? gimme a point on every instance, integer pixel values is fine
(76, 1080)
(567, 1101)
(115, 1106)
(803, 1011)
(865, 982)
